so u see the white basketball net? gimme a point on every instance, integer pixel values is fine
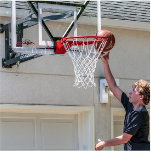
(84, 57)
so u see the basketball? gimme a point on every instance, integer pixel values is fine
(110, 42)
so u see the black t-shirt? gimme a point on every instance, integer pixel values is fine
(136, 123)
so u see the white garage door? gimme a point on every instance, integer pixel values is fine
(38, 131)
(118, 130)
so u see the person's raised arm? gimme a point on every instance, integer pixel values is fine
(109, 77)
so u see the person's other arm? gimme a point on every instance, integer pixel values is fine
(123, 139)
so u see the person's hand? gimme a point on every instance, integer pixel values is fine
(104, 57)
(99, 146)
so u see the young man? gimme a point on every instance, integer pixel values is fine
(136, 123)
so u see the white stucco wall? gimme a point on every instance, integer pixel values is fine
(49, 79)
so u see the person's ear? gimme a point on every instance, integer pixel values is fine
(141, 97)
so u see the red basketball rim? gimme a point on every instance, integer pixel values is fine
(68, 42)
(86, 40)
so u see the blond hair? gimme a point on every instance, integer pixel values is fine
(143, 89)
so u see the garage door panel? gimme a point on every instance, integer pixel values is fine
(17, 134)
(38, 131)
(118, 130)
(58, 134)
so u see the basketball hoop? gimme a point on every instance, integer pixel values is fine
(84, 52)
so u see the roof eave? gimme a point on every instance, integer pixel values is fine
(115, 23)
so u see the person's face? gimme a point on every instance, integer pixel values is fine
(134, 96)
